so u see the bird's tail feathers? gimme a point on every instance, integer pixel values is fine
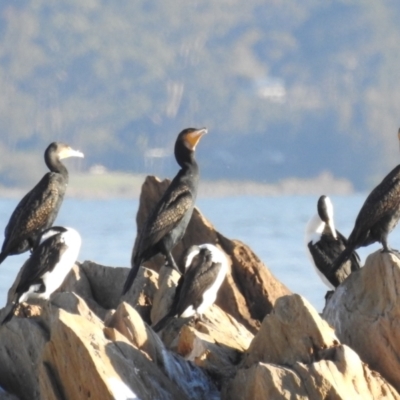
(3, 256)
(344, 256)
(130, 278)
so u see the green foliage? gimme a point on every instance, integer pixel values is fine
(117, 78)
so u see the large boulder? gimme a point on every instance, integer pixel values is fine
(21, 344)
(296, 355)
(189, 378)
(81, 363)
(338, 375)
(365, 312)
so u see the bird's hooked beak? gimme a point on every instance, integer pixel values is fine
(69, 152)
(193, 138)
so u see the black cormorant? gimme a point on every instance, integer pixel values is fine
(324, 244)
(46, 268)
(206, 268)
(166, 224)
(39, 208)
(377, 218)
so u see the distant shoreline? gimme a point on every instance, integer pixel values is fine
(110, 185)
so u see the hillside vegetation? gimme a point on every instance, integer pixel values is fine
(287, 88)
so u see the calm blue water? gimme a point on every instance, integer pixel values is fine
(272, 226)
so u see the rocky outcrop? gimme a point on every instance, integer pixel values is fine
(365, 312)
(296, 355)
(258, 341)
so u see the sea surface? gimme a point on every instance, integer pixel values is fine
(272, 226)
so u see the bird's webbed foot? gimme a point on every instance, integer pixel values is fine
(198, 318)
(387, 249)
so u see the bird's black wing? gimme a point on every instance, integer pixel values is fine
(44, 258)
(326, 251)
(196, 281)
(166, 216)
(16, 214)
(35, 212)
(380, 202)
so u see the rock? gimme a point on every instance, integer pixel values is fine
(213, 325)
(142, 292)
(296, 355)
(249, 291)
(129, 323)
(77, 346)
(266, 381)
(74, 304)
(292, 332)
(208, 343)
(22, 341)
(7, 396)
(78, 283)
(188, 377)
(340, 377)
(81, 363)
(365, 312)
(106, 283)
(167, 282)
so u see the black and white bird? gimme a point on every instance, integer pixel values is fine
(378, 216)
(38, 209)
(324, 244)
(47, 267)
(167, 223)
(206, 268)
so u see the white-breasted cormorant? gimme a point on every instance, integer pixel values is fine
(46, 268)
(324, 244)
(166, 224)
(206, 268)
(378, 216)
(38, 208)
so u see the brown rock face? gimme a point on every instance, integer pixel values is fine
(189, 378)
(292, 332)
(249, 291)
(342, 376)
(81, 363)
(365, 312)
(167, 282)
(296, 355)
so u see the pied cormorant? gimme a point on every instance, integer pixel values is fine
(206, 268)
(324, 244)
(39, 208)
(166, 224)
(47, 267)
(378, 216)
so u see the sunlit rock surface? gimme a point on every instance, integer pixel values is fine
(296, 355)
(365, 312)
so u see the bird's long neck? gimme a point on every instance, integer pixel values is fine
(190, 166)
(55, 165)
